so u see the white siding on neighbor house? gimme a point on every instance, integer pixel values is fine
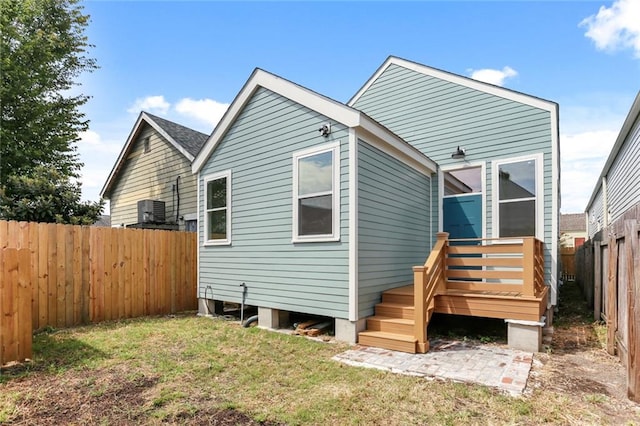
(393, 224)
(258, 149)
(595, 219)
(436, 116)
(623, 178)
(152, 176)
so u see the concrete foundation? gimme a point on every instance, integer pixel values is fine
(525, 335)
(272, 318)
(210, 307)
(347, 331)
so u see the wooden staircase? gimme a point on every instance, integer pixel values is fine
(438, 288)
(392, 326)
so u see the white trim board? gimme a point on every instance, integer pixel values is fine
(353, 226)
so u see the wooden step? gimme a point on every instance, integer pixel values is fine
(401, 295)
(392, 341)
(391, 325)
(394, 310)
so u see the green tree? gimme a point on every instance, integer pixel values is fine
(46, 196)
(43, 51)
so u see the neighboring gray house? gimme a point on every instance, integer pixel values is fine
(618, 187)
(319, 207)
(151, 184)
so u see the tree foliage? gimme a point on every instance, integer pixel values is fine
(46, 196)
(43, 51)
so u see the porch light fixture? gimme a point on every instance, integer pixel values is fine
(459, 154)
(325, 129)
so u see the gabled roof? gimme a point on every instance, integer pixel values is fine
(632, 117)
(330, 108)
(191, 140)
(456, 79)
(573, 222)
(187, 141)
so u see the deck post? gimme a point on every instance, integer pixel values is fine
(420, 310)
(528, 266)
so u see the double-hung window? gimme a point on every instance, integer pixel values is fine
(519, 197)
(217, 215)
(316, 194)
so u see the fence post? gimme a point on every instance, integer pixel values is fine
(612, 319)
(597, 277)
(633, 310)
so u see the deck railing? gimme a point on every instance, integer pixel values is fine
(512, 266)
(428, 280)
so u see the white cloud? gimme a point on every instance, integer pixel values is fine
(92, 141)
(496, 77)
(617, 27)
(153, 104)
(205, 110)
(582, 158)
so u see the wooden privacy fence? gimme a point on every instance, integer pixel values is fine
(82, 274)
(568, 262)
(608, 268)
(15, 305)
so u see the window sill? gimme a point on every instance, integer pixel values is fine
(217, 243)
(318, 239)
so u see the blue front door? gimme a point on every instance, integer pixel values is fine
(462, 216)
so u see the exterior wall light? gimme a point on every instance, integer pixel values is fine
(459, 154)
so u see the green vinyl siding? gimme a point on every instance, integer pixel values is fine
(436, 116)
(393, 224)
(258, 149)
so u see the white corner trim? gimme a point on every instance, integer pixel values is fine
(224, 174)
(353, 225)
(555, 206)
(334, 148)
(456, 79)
(199, 224)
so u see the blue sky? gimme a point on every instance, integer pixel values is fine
(186, 61)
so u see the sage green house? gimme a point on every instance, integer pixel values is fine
(151, 184)
(319, 207)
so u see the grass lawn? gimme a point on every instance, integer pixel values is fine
(194, 370)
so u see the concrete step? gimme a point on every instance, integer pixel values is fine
(392, 341)
(390, 325)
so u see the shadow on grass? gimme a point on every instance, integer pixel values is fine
(53, 353)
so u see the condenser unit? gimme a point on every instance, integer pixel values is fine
(151, 211)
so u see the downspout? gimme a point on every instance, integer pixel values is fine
(177, 199)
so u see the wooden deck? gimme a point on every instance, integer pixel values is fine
(514, 291)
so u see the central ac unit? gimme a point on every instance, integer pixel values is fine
(151, 211)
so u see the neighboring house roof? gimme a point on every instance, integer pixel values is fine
(103, 220)
(187, 141)
(457, 79)
(330, 108)
(632, 117)
(573, 222)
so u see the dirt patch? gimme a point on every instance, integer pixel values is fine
(577, 365)
(107, 396)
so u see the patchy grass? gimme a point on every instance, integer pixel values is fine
(191, 370)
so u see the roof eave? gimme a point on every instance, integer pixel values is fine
(632, 117)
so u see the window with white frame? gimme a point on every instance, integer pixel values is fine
(519, 189)
(316, 194)
(217, 215)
